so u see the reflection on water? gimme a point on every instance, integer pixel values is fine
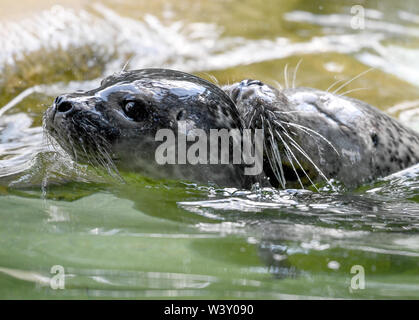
(158, 239)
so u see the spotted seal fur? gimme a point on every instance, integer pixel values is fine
(309, 135)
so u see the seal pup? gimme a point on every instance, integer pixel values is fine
(309, 135)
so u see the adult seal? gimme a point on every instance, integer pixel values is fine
(309, 136)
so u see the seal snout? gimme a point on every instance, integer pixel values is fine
(245, 89)
(67, 104)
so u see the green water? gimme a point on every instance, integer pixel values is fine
(173, 239)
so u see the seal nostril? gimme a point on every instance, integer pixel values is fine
(256, 82)
(249, 82)
(64, 106)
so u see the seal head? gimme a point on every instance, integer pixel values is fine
(117, 122)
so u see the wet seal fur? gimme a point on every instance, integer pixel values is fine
(310, 135)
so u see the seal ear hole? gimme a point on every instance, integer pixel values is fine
(181, 115)
(374, 139)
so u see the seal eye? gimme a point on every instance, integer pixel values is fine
(135, 110)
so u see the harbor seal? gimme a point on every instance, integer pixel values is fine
(116, 124)
(309, 135)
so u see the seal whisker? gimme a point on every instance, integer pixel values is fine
(298, 147)
(274, 158)
(90, 157)
(286, 76)
(105, 160)
(87, 155)
(308, 130)
(333, 84)
(305, 173)
(295, 72)
(248, 112)
(76, 156)
(271, 162)
(280, 87)
(299, 164)
(124, 68)
(352, 90)
(287, 151)
(353, 79)
(101, 155)
(212, 77)
(251, 118)
(109, 164)
(276, 164)
(301, 150)
(302, 168)
(289, 112)
(53, 143)
(67, 135)
(277, 155)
